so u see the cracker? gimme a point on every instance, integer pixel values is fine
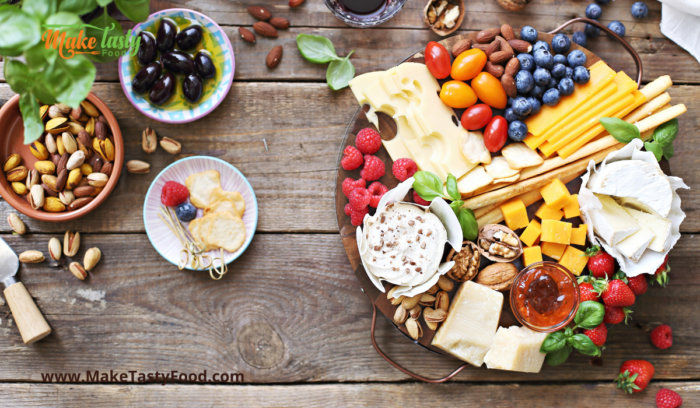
(499, 168)
(201, 185)
(219, 193)
(225, 231)
(225, 204)
(475, 179)
(519, 156)
(204, 225)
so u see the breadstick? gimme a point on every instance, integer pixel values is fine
(648, 108)
(660, 117)
(656, 87)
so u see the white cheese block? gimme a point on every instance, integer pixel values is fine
(633, 246)
(641, 184)
(471, 323)
(661, 227)
(612, 223)
(516, 349)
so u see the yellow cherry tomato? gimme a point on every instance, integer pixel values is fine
(468, 64)
(489, 90)
(457, 94)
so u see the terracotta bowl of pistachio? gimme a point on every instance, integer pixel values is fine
(70, 170)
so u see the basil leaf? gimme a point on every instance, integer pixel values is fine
(33, 126)
(103, 3)
(71, 79)
(18, 31)
(40, 9)
(557, 357)
(590, 314)
(622, 131)
(18, 76)
(136, 11)
(427, 185)
(585, 345)
(467, 220)
(114, 34)
(451, 185)
(78, 7)
(666, 133)
(654, 148)
(340, 72)
(553, 342)
(68, 23)
(455, 205)
(315, 48)
(668, 152)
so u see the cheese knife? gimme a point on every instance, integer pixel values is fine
(31, 323)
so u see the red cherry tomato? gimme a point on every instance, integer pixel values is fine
(477, 116)
(437, 59)
(457, 94)
(468, 64)
(489, 90)
(496, 134)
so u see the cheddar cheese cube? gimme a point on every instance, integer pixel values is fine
(531, 255)
(553, 250)
(574, 260)
(531, 235)
(572, 210)
(578, 235)
(546, 212)
(555, 194)
(515, 214)
(558, 232)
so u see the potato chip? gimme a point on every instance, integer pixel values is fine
(473, 148)
(235, 196)
(201, 185)
(475, 179)
(225, 231)
(499, 168)
(224, 204)
(519, 156)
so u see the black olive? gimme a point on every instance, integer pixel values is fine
(178, 62)
(166, 35)
(204, 65)
(189, 37)
(146, 77)
(192, 88)
(163, 89)
(147, 48)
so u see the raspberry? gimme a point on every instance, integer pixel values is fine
(662, 336)
(173, 193)
(359, 199)
(350, 184)
(374, 168)
(356, 217)
(368, 141)
(418, 200)
(352, 158)
(666, 398)
(348, 209)
(404, 169)
(377, 191)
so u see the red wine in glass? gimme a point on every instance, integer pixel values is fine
(363, 7)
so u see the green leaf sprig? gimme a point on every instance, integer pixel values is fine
(558, 345)
(320, 50)
(662, 140)
(429, 187)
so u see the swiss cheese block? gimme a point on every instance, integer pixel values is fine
(553, 250)
(574, 260)
(531, 255)
(555, 194)
(612, 223)
(661, 227)
(601, 75)
(467, 332)
(515, 214)
(558, 232)
(546, 212)
(531, 235)
(572, 209)
(516, 349)
(578, 235)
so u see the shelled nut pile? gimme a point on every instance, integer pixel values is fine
(433, 305)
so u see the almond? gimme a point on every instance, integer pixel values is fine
(504, 45)
(520, 45)
(509, 85)
(493, 69)
(482, 47)
(274, 57)
(265, 29)
(500, 57)
(493, 47)
(246, 35)
(512, 67)
(507, 32)
(279, 22)
(295, 3)
(460, 47)
(261, 13)
(486, 36)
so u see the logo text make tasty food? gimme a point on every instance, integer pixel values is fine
(109, 45)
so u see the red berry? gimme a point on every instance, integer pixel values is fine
(376, 191)
(638, 284)
(404, 169)
(661, 274)
(356, 217)
(588, 293)
(600, 262)
(617, 293)
(615, 315)
(350, 184)
(666, 398)
(352, 158)
(374, 168)
(348, 209)
(628, 381)
(173, 194)
(368, 141)
(662, 336)
(359, 199)
(418, 200)
(597, 335)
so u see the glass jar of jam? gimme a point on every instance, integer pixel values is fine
(544, 296)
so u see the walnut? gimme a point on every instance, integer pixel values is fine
(499, 244)
(466, 262)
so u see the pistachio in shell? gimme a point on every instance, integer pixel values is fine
(499, 243)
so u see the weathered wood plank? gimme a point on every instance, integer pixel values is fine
(290, 310)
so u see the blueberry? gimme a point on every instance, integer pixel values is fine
(553, 82)
(566, 86)
(540, 45)
(591, 31)
(551, 97)
(521, 106)
(582, 75)
(527, 62)
(528, 34)
(509, 102)
(579, 38)
(640, 10)
(535, 105)
(185, 212)
(602, 2)
(541, 77)
(544, 59)
(576, 58)
(593, 11)
(561, 43)
(617, 28)
(560, 59)
(559, 71)
(512, 116)
(537, 92)
(517, 131)
(569, 72)
(524, 81)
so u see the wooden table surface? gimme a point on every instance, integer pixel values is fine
(290, 315)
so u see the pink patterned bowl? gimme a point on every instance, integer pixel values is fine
(162, 239)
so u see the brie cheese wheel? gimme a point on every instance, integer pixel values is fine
(660, 227)
(612, 223)
(633, 246)
(516, 349)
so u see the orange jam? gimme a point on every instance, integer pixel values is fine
(544, 296)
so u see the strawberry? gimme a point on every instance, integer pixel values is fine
(597, 335)
(634, 375)
(616, 293)
(661, 274)
(615, 315)
(600, 263)
(666, 398)
(638, 284)
(588, 293)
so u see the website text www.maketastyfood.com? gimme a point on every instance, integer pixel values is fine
(137, 377)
